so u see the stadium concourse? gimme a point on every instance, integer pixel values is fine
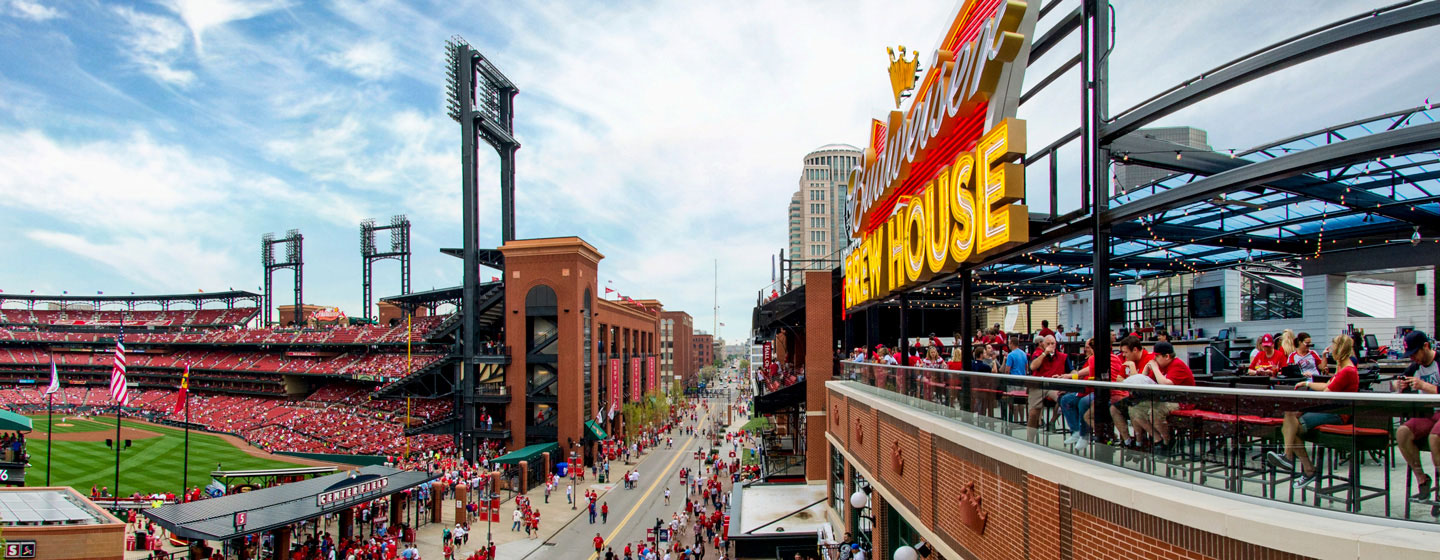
(283, 389)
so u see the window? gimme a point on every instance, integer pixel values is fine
(837, 482)
(1265, 297)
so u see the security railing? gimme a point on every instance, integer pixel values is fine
(1340, 451)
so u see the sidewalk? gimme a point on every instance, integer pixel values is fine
(512, 545)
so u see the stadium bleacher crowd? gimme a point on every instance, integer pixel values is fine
(237, 374)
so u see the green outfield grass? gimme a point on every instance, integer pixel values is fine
(76, 425)
(149, 465)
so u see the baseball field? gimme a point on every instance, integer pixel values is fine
(151, 464)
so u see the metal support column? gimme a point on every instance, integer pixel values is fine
(1095, 158)
(904, 346)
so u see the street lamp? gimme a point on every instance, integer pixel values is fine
(905, 553)
(573, 496)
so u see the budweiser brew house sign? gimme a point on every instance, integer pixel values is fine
(941, 180)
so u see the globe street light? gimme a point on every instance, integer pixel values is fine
(905, 553)
(859, 500)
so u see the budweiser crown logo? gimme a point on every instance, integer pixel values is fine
(970, 504)
(903, 73)
(897, 458)
(859, 432)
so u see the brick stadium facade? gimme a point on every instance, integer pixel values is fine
(555, 386)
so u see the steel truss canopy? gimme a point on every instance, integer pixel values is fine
(1365, 184)
(200, 299)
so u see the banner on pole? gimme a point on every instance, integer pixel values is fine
(615, 397)
(650, 381)
(635, 390)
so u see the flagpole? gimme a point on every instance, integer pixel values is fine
(185, 473)
(409, 369)
(115, 502)
(49, 432)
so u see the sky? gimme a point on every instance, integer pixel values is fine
(146, 146)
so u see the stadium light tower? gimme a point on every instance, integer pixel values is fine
(399, 229)
(294, 260)
(482, 100)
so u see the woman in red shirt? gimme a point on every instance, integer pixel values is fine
(1347, 379)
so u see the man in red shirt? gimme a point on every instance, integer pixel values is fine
(1045, 329)
(1151, 415)
(1269, 359)
(1047, 361)
(599, 543)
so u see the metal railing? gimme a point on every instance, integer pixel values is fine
(1328, 450)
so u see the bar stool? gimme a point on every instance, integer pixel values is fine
(1332, 440)
(1265, 430)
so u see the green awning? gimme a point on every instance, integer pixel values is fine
(594, 431)
(529, 453)
(13, 422)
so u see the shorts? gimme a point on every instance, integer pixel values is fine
(1422, 427)
(1152, 410)
(1312, 420)
(1123, 405)
(1035, 398)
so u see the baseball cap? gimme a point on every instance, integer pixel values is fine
(1166, 348)
(1267, 339)
(1413, 341)
(879, 346)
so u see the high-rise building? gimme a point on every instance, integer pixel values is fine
(1129, 176)
(818, 225)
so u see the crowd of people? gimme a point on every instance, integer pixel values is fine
(1142, 419)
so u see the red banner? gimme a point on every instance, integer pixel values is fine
(650, 374)
(766, 357)
(615, 383)
(635, 390)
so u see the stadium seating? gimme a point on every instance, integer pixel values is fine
(191, 317)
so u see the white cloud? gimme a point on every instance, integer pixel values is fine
(371, 60)
(154, 212)
(201, 15)
(156, 44)
(33, 11)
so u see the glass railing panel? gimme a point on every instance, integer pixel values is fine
(1264, 438)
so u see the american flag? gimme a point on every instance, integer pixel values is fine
(118, 392)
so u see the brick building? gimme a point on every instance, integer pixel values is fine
(703, 346)
(677, 355)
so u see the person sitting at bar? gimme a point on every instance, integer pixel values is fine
(1422, 376)
(1269, 359)
(1075, 407)
(1048, 361)
(1136, 358)
(1016, 363)
(1152, 415)
(1305, 357)
(1347, 379)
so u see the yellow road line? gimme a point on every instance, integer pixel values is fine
(659, 476)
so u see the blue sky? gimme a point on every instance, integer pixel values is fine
(146, 146)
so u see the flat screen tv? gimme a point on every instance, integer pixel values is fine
(1205, 303)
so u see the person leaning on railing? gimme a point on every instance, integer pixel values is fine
(1153, 415)
(1422, 376)
(1346, 379)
